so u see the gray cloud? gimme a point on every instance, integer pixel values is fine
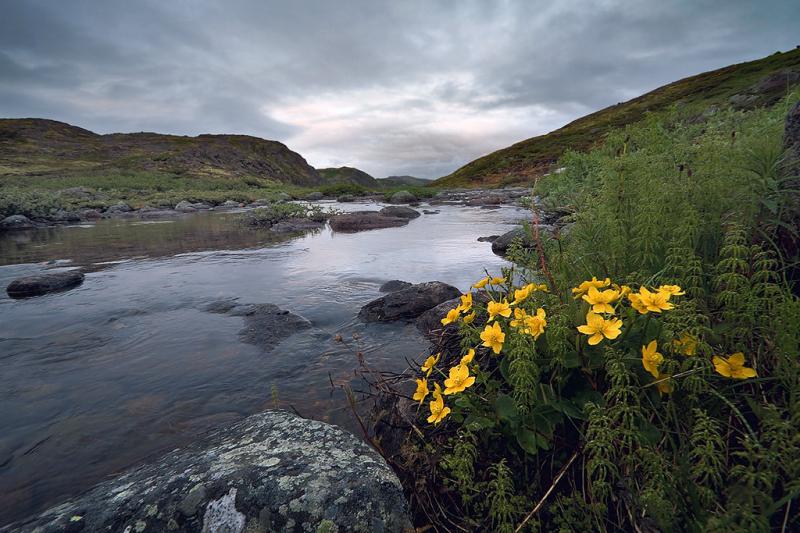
(390, 87)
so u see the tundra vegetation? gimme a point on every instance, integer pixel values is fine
(637, 370)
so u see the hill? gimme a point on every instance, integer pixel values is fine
(335, 176)
(403, 181)
(744, 85)
(46, 153)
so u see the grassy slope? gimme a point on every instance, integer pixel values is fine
(348, 175)
(531, 157)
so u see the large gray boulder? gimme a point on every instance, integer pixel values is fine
(44, 283)
(364, 220)
(119, 207)
(16, 222)
(265, 325)
(400, 212)
(402, 197)
(501, 244)
(408, 303)
(185, 206)
(314, 196)
(272, 471)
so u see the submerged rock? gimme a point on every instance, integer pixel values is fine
(265, 325)
(44, 283)
(273, 471)
(16, 222)
(400, 212)
(364, 220)
(408, 303)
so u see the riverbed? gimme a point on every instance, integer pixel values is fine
(130, 364)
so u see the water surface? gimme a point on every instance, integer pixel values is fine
(129, 365)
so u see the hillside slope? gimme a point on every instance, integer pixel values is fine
(401, 181)
(744, 85)
(39, 150)
(347, 175)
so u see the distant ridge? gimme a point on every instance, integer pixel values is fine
(347, 175)
(41, 147)
(744, 85)
(399, 181)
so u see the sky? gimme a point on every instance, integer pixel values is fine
(391, 87)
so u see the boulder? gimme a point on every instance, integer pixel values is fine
(229, 204)
(364, 220)
(44, 283)
(201, 206)
(119, 207)
(346, 198)
(429, 212)
(65, 216)
(281, 197)
(489, 199)
(399, 211)
(185, 207)
(402, 197)
(291, 225)
(272, 471)
(314, 196)
(265, 325)
(394, 285)
(16, 222)
(408, 303)
(446, 338)
(91, 214)
(501, 244)
(490, 238)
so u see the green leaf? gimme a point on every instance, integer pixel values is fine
(506, 408)
(477, 422)
(527, 440)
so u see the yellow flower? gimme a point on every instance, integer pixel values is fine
(498, 308)
(687, 344)
(624, 290)
(466, 302)
(438, 409)
(493, 337)
(467, 359)
(542, 287)
(597, 327)
(519, 318)
(674, 290)
(497, 280)
(422, 390)
(481, 283)
(733, 366)
(535, 324)
(429, 363)
(583, 288)
(646, 301)
(452, 316)
(665, 386)
(601, 301)
(459, 380)
(651, 358)
(469, 318)
(521, 294)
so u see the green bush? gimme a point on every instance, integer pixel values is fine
(340, 189)
(639, 371)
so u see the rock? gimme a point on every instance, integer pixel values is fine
(429, 212)
(272, 471)
(16, 222)
(346, 198)
(314, 196)
(394, 285)
(491, 199)
(296, 224)
(490, 238)
(65, 216)
(399, 211)
(446, 338)
(501, 244)
(259, 203)
(281, 197)
(364, 220)
(158, 213)
(91, 214)
(185, 207)
(229, 204)
(408, 303)
(402, 197)
(265, 325)
(44, 283)
(201, 206)
(119, 207)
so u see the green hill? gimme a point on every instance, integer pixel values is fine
(403, 181)
(745, 85)
(50, 155)
(354, 176)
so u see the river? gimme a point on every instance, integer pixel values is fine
(129, 364)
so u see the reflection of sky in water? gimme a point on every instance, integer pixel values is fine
(128, 365)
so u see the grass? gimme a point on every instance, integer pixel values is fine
(523, 161)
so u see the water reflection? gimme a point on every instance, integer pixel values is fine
(129, 365)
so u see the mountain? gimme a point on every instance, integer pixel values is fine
(348, 175)
(34, 149)
(401, 181)
(745, 85)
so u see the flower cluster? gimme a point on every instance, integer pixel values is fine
(493, 337)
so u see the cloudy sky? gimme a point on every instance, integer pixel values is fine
(391, 87)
